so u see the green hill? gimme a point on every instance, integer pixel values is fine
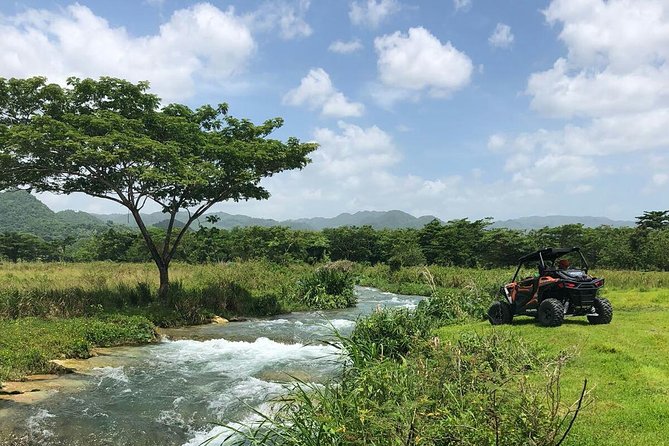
(22, 212)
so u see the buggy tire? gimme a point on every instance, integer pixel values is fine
(550, 313)
(500, 313)
(604, 311)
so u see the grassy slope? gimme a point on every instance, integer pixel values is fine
(626, 364)
(27, 344)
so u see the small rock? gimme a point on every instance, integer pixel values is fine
(219, 320)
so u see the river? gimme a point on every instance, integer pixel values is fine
(173, 392)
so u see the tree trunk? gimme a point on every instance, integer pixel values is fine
(164, 282)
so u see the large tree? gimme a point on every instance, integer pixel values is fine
(111, 139)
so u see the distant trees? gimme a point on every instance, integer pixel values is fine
(456, 243)
(653, 220)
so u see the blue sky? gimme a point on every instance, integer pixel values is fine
(456, 108)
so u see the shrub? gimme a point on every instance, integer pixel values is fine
(330, 286)
(474, 392)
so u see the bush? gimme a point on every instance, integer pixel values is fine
(474, 392)
(329, 287)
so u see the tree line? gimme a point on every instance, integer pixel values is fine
(455, 243)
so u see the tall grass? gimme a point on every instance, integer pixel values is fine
(480, 390)
(486, 282)
(196, 292)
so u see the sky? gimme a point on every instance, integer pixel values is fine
(452, 108)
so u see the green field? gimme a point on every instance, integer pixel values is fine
(626, 365)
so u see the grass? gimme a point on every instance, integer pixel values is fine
(626, 364)
(254, 288)
(27, 344)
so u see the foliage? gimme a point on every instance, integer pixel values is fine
(475, 391)
(329, 286)
(23, 213)
(110, 139)
(653, 220)
(234, 289)
(27, 344)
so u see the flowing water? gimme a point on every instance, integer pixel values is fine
(173, 392)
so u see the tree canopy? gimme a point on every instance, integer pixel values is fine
(110, 138)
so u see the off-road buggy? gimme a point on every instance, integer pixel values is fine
(558, 290)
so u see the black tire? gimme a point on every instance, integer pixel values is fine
(550, 313)
(500, 313)
(604, 311)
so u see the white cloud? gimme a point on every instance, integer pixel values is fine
(614, 81)
(501, 37)
(317, 92)
(418, 61)
(579, 189)
(496, 142)
(341, 47)
(287, 16)
(352, 170)
(660, 179)
(462, 5)
(373, 12)
(198, 44)
(616, 61)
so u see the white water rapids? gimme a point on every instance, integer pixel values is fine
(180, 392)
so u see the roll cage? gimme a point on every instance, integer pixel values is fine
(550, 255)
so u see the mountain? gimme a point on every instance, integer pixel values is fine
(376, 219)
(22, 212)
(552, 221)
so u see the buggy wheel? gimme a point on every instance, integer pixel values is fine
(604, 312)
(550, 313)
(500, 313)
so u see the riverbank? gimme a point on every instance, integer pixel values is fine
(28, 345)
(173, 392)
(52, 311)
(625, 363)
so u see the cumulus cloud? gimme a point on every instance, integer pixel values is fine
(418, 61)
(341, 47)
(317, 92)
(612, 87)
(462, 5)
(373, 12)
(501, 37)
(616, 61)
(286, 16)
(354, 169)
(199, 43)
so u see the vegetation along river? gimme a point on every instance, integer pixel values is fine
(172, 393)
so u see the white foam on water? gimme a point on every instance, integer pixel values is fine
(113, 373)
(35, 425)
(239, 359)
(275, 322)
(219, 434)
(171, 418)
(244, 391)
(339, 324)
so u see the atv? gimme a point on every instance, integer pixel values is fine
(557, 291)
